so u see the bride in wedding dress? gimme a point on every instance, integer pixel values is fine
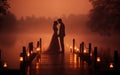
(54, 44)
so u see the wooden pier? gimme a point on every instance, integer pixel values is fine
(33, 61)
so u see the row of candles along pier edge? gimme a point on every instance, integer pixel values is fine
(38, 49)
(84, 50)
(98, 59)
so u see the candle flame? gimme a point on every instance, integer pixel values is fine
(38, 49)
(111, 65)
(98, 59)
(85, 51)
(37, 65)
(31, 52)
(5, 65)
(28, 54)
(70, 47)
(90, 54)
(21, 59)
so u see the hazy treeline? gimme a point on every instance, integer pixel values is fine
(32, 24)
(9, 23)
(10, 26)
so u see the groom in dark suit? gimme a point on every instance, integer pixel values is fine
(61, 34)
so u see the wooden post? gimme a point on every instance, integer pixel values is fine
(40, 44)
(0, 55)
(90, 48)
(73, 45)
(82, 47)
(24, 50)
(30, 47)
(24, 54)
(1, 60)
(95, 57)
(38, 47)
(23, 61)
(116, 60)
(95, 52)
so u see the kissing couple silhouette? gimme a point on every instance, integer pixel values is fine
(54, 46)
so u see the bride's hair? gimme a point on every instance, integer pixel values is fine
(55, 22)
(59, 20)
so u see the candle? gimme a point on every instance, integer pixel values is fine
(37, 65)
(98, 59)
(21, 59)
(31, 52)
(38, 49)
(111, 65)
(90, 54)
(85, 51)
(5, 65)
(28, 54)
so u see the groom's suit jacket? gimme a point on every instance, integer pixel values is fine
(62, 30)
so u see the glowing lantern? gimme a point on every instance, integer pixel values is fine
(31, 52)
(77, 50)
(90, 54)
(21, 59)
(111, 65)
(85, 51)
(38, 49)
(5, 65)
(98, 59)
(70, 47)
(28, 54)
(37, 65)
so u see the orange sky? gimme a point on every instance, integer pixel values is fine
(49, 8)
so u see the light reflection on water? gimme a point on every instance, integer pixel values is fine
(57, 63)
(28, 70)
(75, 61)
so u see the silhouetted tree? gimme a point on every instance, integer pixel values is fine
(8, 30)
(105, 16)
(4, 5)
(7, 23)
